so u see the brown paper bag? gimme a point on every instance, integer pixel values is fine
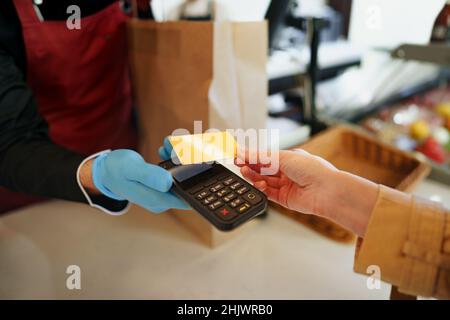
(197, 71)
(213, 72)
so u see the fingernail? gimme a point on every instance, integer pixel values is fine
(261, 185)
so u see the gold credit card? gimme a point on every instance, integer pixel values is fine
(204, 147)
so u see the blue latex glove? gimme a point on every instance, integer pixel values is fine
(124, 175)
(166, 151)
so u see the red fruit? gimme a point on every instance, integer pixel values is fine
(433, 150)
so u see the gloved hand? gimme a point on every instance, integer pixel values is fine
(124, 175)
(166, 151)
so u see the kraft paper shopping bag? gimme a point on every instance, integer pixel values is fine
(195, 76)
(213, 72)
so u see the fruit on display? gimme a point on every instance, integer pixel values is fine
(420, 123)
(443, 109)
(432, 149)
(420, 130)
(447, 146)
(441, 135)
(404, 142)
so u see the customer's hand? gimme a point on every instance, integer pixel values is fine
(124, 175)
(309, 184)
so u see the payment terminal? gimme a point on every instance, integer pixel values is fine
(218, 194)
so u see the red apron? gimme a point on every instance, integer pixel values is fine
(80, 79)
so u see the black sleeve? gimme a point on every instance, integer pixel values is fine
(29, 161)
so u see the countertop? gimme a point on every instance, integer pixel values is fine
(143, 256)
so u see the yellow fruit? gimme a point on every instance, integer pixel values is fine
(419, 130)
(443, 109)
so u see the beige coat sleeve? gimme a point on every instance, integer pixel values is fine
(409, 240)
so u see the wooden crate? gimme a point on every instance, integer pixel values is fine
(352, 150)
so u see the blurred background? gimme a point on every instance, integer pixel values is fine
(376, 64)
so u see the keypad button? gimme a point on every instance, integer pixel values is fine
(209, 183)
(236, 202)
(195, 190)
(225, 213)
(243, 208)
(242, 190)
(222, 176)
(228, 181)
(223, 192)
(252, 197)
(229, 197)
(209, 200)
(235, 185)
(202, 195)
(216, 188)
(215, 205)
